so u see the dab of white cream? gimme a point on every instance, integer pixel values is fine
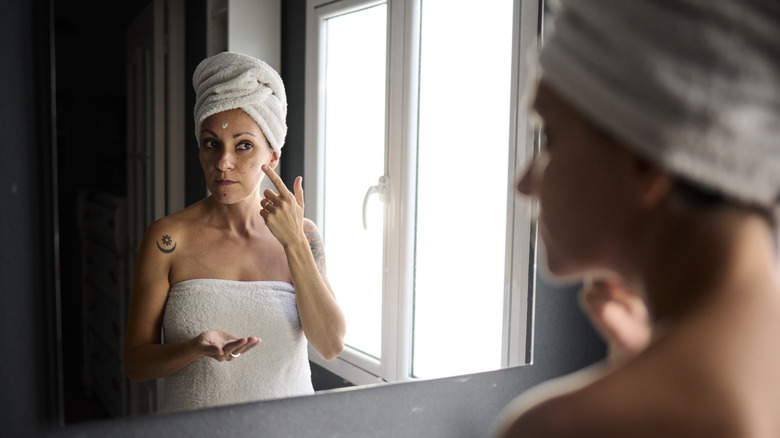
(224, 125)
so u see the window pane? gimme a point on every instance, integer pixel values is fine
(354, 161)
(465, 74)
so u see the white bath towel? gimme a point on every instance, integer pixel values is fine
(692, 84)
(278, 367)
(228, 81)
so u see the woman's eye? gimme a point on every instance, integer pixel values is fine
(244, 146)
(209, 144)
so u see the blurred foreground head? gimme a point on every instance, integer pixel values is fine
(692, 85)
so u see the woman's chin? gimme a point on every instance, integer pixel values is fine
(560, 270)
(559, 275)
(224, 197)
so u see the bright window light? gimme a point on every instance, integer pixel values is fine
(464, 100)
(354, 160)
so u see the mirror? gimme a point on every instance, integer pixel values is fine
(92, 168)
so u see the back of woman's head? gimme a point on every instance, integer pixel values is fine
(692, 85)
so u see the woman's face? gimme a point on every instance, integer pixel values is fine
(232, 151)
(579, 182)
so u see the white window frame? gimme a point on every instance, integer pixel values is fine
(400, 157)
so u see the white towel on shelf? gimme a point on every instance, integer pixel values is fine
(278, 367)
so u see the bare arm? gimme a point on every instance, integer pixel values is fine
(321, 317)
(145, 357)
(317, 305)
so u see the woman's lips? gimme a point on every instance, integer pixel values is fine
(225, 182)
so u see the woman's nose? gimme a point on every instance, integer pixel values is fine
(529, 182)
(226, 160)
(524, 185)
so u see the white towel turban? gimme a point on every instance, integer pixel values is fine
(693, 85)
(230, 81)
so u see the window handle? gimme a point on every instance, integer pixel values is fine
(379, 189)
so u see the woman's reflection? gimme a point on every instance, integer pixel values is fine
(217, 277)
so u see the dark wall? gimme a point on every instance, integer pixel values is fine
(454, 407)
(90, 137)
(26, 221)
(293, 74)
(195, 51)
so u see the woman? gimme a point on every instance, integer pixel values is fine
(662, 122)
(227, 292)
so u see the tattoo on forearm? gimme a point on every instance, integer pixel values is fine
(167, 241)
(317, 249)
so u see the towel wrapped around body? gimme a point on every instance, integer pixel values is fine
(278, 367)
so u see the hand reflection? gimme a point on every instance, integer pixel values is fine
(283, 211)
(618, 314)
(223, 346)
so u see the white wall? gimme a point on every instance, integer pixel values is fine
(254, 28)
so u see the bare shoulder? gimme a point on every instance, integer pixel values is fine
(162, 235)
(663, 392)
(558, 407)
(165, 235)
(593, 409)
(559, 416)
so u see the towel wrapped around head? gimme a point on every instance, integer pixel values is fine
(228, 81)
(693, 85)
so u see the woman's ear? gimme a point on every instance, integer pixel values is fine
(274, 159)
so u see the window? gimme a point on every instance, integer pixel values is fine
(415, 137)
(354, 132)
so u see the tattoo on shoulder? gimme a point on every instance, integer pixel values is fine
(167, 241)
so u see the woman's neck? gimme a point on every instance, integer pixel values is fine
(700, 257)
(239, 217)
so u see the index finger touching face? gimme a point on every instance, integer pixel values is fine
(278, 183)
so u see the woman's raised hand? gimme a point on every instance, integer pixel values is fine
(283, 211)
(221, 345)
(618, 314)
